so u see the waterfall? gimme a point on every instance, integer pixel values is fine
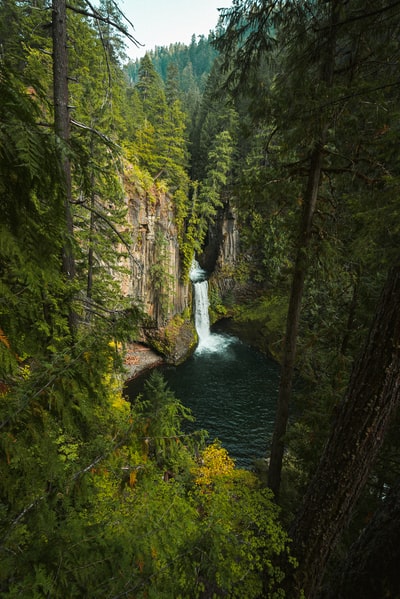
(198, 276)
(208, 342)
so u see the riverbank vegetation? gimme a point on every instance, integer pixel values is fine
(289, 116)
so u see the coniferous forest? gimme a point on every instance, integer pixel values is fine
(287, 117)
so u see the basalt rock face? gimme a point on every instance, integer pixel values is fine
(154, 278)
(222, 244)
(220, 257)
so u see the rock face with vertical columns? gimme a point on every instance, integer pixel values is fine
(154, 277)
(221, 254)
(222, 247)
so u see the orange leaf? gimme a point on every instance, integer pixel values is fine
(4, 339)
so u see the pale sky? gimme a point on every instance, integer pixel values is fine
(164, 22)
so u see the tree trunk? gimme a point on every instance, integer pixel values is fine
(371, 568)
(90, 263)
(62, 129)
(296, 293)
(61, 119)
(292, 323)
(89, 286)
(358, 432)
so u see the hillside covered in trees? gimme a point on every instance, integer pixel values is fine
(114, 175)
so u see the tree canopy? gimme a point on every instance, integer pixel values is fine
(287, 115)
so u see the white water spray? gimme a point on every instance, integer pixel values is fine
(208, 342)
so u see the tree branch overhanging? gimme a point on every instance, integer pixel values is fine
(110, 224)
(359, 17)
(96, 15)
(105, 138)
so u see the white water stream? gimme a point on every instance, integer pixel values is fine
(230, 387)
(208, 341)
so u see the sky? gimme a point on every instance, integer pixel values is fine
(164, 22)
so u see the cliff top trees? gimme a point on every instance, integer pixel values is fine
(161, 140)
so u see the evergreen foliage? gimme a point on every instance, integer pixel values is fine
(271, 58)
(34, 295)
(99, 497)
(196, 59)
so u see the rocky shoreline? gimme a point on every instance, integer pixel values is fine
(139, 358)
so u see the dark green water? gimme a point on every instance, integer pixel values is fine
(232, 390)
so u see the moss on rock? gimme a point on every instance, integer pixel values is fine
(176, 341)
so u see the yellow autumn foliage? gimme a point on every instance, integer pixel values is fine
(215, 462)
(132, 478)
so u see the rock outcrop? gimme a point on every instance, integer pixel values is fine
(221, 257)
(222, 248)
(154, 277)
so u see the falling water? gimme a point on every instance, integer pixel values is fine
(230, 387)
(198, 277)
(208, 341)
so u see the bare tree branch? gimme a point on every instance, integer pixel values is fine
(96, 15)
(360, 16)
(96, 131)
(110, 224)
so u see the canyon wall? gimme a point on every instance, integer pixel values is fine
(220, 258)
(153, 271)
(222, 245)
(154, 275)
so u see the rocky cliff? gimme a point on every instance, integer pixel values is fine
(220, 258)
(154, 276)
(222, 244)
(153, 272)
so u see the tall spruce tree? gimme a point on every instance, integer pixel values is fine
(249, 32)
(63, 131)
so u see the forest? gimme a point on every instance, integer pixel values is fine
(287, 119)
